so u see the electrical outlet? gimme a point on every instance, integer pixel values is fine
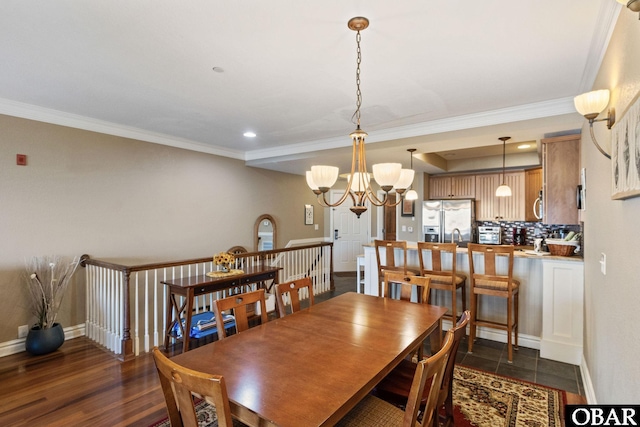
(603, 263)
(23, 331)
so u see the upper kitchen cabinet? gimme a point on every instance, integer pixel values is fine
(452, 187)
(561, 175)
(532, 187)
(512, 208)
(492, 208)
(487, 204)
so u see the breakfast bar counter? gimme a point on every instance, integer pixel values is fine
(551, 299)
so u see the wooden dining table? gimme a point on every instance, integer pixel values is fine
(311, 367)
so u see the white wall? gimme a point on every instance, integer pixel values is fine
(126, 200)
(612, 227)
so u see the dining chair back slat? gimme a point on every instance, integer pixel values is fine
(243, 306)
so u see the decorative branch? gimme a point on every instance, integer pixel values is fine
(47, 280)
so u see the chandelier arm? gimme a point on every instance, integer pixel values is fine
(398, 201)
(374, 199)
(593, 138)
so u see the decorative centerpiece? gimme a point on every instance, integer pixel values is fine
(224, 261)
(47, 280)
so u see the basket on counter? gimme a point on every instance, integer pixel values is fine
(561, 247)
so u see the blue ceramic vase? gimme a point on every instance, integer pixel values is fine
(43, 341)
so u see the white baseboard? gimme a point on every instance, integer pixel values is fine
(17, 346)
(524, 340)
(589, 392)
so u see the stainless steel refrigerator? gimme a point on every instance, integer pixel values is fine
(441, 217)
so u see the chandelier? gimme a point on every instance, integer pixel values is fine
(389, 176)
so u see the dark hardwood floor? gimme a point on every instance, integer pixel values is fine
(79, 385)
(83, 385)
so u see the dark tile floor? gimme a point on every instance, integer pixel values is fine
(492, 356)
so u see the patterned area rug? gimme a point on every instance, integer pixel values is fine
(481, 399)
(489, 400)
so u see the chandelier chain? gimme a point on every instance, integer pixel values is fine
(358, 92)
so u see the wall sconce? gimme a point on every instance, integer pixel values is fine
(590, 105)
(632, 5)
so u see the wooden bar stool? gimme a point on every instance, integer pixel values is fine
(443, 279)
(489, 282)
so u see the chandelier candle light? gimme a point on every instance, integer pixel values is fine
(389, 176)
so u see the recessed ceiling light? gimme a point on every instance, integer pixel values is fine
(249, 134)
(523, 146)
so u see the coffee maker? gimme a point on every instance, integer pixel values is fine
(519, 236)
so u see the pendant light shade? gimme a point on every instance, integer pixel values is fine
(503, 190)
(411, 195)
(324, 176)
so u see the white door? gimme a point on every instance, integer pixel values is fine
(349, 233)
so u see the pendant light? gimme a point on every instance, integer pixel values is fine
(411, 194)
(389, 176)
(503, 190)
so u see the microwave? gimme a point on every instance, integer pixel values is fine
(489, 235)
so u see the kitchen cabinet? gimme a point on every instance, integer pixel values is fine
(452, 187)
(532, 187)
(512, 208)
(561, 175)
(562, 311)
(491, 208)
(487, 204)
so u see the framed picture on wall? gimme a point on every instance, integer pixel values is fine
(408, 207)
(625, 154)
(308, 214)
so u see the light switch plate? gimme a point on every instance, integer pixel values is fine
(603, 263)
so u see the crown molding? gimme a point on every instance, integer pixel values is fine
(532, 111)
(607, 19)
(56, 117)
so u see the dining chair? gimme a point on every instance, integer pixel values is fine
(180, 385)
(431, 257)
(293, 289)
(491, 277)
(401, 286)
(242, 306)
(395, 259)
(372, 410)
(396, 386)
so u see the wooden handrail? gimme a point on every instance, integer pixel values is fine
(87, 260)
(128, 351)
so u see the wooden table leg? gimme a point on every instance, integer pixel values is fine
(187, 321)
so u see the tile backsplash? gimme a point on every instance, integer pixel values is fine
(533, 230)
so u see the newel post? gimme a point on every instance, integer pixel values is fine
(333, 285)
(127, 342)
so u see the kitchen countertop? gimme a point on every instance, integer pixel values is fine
(519, 252)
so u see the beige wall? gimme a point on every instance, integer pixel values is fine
(126, 200)
(612, 227)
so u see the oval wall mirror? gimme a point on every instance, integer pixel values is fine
(265, 233)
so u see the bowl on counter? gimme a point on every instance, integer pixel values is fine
(561, 247)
